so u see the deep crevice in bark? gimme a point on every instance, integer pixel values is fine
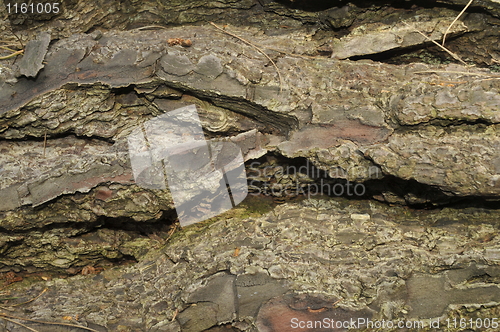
(279, 123)
(281, 181)
(112, 234)
(479, 125)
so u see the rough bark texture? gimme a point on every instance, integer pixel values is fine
(383, 263)
(344, 111)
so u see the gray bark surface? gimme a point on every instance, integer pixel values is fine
(420, 138)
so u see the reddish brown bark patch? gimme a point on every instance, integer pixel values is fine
(325, 136)
(304, 312)
(103, 194)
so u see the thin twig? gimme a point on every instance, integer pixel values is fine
(150, 27)
(254, 46)
(18, 39)
(6, 47)
(33, 299)
(171, 232)
(8, 298)
(20, 324)
(489, 79)
(5, 316)
(337, 302)
(175, 314)
(456, 19)
(456, 57)
(11, 55)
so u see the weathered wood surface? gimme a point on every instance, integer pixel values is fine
(381, 262)
(396, 118)
(412, 134)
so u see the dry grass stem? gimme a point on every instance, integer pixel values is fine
(172, 231)
(7, 47)
(148, 27)
(337, 302)
(17, 323)
(18, 39)
(11, 55)
(10, 319)
(455, 20)
(255, 47)
(33, 299)
(456, 57)
(175, 314)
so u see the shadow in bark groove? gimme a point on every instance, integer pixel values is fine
(286, 178)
